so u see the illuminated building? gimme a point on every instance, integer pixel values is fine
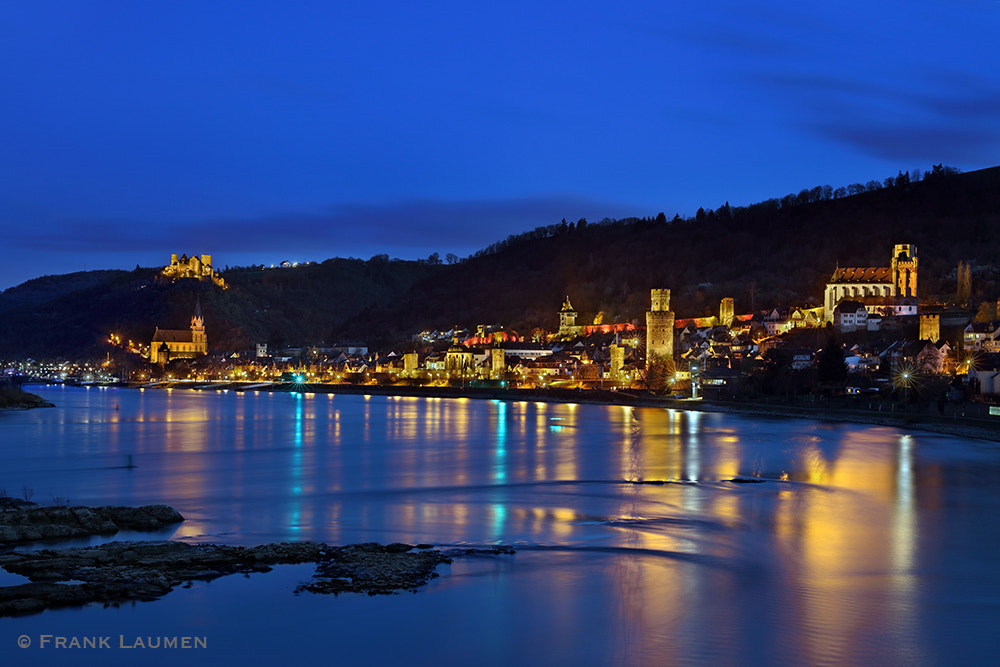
(983, 336)
(195, 267)
(727, 312)
(458, 360)
(617, 370)
(169, 344)
(889, 289)
(568, 327)
(850, 315)
(411, 364)
(930, 327)
(659, 326)
(498, 363)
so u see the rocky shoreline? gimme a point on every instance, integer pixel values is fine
(15, 399)
(32, 523)
(120, 572)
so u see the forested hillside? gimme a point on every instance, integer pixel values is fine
(775, 253)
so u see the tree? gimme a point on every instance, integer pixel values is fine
(987, 312)
(659, 374)
(832, 368)
(929, 360)
(964, 291)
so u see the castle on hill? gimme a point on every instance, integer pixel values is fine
(198, 267)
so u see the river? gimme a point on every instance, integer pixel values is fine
(863, 544)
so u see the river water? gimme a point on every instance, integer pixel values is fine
(865, 545)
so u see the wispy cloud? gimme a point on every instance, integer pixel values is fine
(399, 228)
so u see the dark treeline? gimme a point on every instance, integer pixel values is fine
(775, 253)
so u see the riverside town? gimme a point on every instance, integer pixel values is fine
(867, 343)
(744, 437)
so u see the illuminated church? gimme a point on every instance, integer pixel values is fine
(886, 290)
(170, 344)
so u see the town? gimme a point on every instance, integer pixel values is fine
(871, 340)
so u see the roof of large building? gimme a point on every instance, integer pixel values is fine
(881, 274)
(173, 336)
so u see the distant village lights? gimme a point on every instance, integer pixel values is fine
(711, 353)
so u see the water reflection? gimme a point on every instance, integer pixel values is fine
(814, 564)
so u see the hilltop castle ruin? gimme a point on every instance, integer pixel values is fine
(198, 267)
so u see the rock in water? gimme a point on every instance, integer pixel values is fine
(42, 523)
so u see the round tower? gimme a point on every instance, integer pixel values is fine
(659, 326)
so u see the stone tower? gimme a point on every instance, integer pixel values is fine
(498, 362)
(904, 269)
(568, 327)
(727, 312)
(659, 326)
(616, 370)
(930, 327)
(411, 364)
(567, 317)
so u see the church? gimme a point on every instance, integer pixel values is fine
(170, 344)
(886, 290)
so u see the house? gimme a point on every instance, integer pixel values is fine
(801, 358)
(850, 315)
(983, 336)
(984, 376)
(804, 318)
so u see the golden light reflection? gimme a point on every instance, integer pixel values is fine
(727, 464)
(847, 510)
(837, 530)
(904, 518)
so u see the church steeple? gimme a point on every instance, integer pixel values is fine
(197, 320)
(198, 329)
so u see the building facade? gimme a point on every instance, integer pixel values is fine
(170, 344)
(889, 290)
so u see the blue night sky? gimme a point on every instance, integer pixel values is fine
(260, 132)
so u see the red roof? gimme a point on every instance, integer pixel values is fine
(882, 274)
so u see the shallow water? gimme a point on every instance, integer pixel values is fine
(865, 544)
